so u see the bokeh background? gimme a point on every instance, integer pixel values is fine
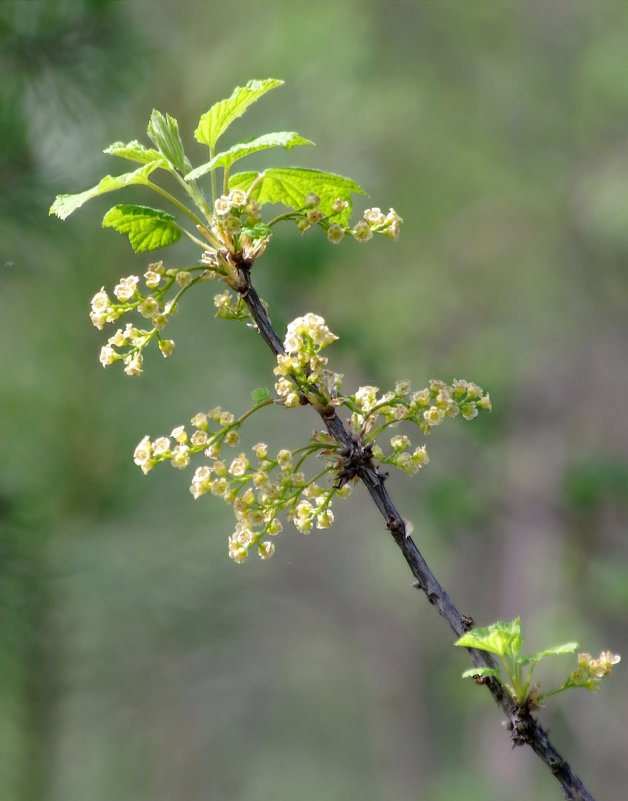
(136, 661)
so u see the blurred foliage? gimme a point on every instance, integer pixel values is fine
(136, 661)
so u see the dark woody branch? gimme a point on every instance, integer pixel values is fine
(524, 728)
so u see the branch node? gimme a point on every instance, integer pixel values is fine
(467, 622)
(355, 458)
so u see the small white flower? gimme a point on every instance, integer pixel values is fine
(107, 355)
(199, 420)
(266, 549)
(118, 339)
(237, 197)
(335, 233)
(161, 446)
(199, 438)
(362, 231)
(434, 415)
(98, 320)
(152, 279)
(374, 216)
(260, 450)
(148, 308)
(239, 466)
(143, 451)
(222, 206)
(100, 302)
(314, 216)
(325, 519)
(180, 457)
(179, 434)
(133, 364)
(127, 288)
(166, 346)
(469, 411)
(183, 278)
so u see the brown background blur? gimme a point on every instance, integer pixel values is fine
(137, 663)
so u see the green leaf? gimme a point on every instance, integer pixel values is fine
(215, 122)
(566, 648)
(291, 185)
(260, 394)
(163, 131)
(480, 671)
(286, 139)
(257, 231)
(502, 638)
(65, 205)
(147, 229)
(134, 151)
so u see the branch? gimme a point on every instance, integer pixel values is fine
(524, 728)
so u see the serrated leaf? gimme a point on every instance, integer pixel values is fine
(215, 122)
(480, 671)
(134, 151)
(291, 185)
(65, 205)
(285, 139)
(163, 131)
(502, 638)
(260, 394)
(566, 648)
(146, 228)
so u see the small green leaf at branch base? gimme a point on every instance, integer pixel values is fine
(291, 186)
(215, 122)
(65, 205)
(502, 638)
(285, 139)
(483, 672)
(260, 394)
(146, 228)
(566, 648)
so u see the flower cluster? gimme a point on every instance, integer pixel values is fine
(372, 413)
(258, 486)
(237, 238)
(231, 307)
(301, 368)
(127, 344)
(236, 233)
(373, 221)
(590, 672)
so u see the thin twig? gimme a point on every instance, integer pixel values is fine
(524, 728)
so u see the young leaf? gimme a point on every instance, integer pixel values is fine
(164, 133)
(134, 151)
(215, 122)
(257, 231)
(286, 139)
(65, 205)
(480, 671)
(147, 229)
(291, 185)
(501, 637)
(566, 648)
(260, 394)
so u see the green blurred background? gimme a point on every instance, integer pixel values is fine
(136, 661)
